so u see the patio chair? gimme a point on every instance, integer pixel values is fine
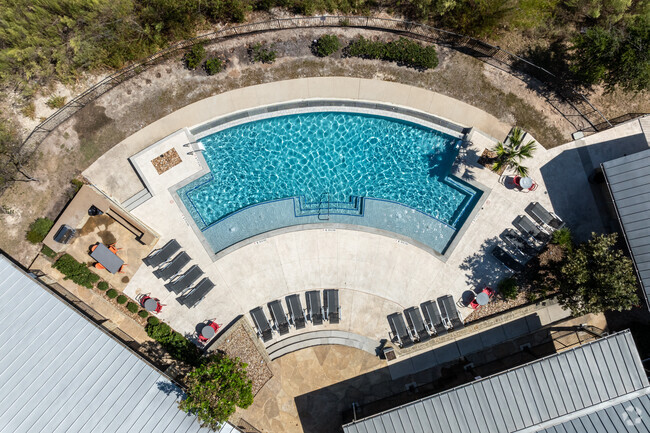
(332, 307)
(474, 305)
(296, 313)
(262, 324)
(512, 238)
(508, 261)
(195, 295)
(278, 316)
(529, 228)
(416, 324)
(184, 281)
(160, 256)
(314, 309)
(433, 318)
(173, 267)
(400, 333)
(448, 309)
(543, 216)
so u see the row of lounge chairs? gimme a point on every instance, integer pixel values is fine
(431, 319)
(169, 269)
(533, 235)
(315, 313)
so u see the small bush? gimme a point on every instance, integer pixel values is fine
(327, 45)
(111, 293)
(132, 307)
(144, 314)
(77, 184)
(563, 238)
(194, 56)
(508, 288)
(102, 285)
(261, 53)
(29, 111)
(75, 271)
(47, 251)
(403, 51)
(56, 102)
(122, 299)
(39, 229)
(213, 66)
(175, 344)
(153, 321)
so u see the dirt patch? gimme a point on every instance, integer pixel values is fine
(166, 161)
(125, 280)
(95, 222)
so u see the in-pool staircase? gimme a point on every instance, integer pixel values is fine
(325, 207)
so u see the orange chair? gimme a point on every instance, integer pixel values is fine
(121, 271)
(93, 248)
(99, 266)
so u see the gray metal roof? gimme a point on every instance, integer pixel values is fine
(629, 183)
(588, 381)
(61, 373)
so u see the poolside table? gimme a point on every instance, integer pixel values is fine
(482, 298)
(150, 304)
(208, 331)
(107, 258)
(525, 182)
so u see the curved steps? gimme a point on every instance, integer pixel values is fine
(317, 338)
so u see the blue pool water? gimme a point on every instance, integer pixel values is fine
(328, 156)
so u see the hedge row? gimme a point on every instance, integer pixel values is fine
(403, 51)
(75, 271)
(175, 344)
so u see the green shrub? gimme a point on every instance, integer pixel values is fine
(563, 238)
(39, 229)
(327, 45)
(144, 314)
(508, 288)
(194, 56)
(403, 51)
(77, 184)
(261, 53)
(56, 102)
(213, 66)
(102, 285)
(122, 299)
(47, 251)
(111, 293)
(175, 344)
(153, 320)
(75, 271)
(132, 307)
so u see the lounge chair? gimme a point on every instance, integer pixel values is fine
(432, 318)
(173, 267)
(529, 228)
(296, 314)
(543, 216)
(505, 258)
(264, 330)
(512, 238)
(416, 324)
(332, 307)
(314, 309)
(280, 322)
(160, 256)
(449, 310)
(184, 281)
(399, 331)
(195, 295)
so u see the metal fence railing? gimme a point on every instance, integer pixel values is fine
(573, 105)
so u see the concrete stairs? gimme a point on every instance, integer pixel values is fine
(316, 338)
(136, 200)
(324, 207)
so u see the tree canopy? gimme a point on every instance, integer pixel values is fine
(598, 277)
(216, 388)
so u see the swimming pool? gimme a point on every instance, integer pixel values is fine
(332, 157)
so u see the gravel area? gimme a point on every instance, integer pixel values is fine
(237, 342)
(166, 161)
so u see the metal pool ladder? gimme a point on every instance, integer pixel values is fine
(324, 207)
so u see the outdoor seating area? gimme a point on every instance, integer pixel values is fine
(150, 304)
(208, 331)
(525, 184)
(106, 258)
(430, 320)
(482, 298)
(281, 322)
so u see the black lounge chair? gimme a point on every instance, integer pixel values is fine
(543, 216)
(512, 238)
(174, 267)
(529, 228)
(160, 256)
(184, 281)
(280, 322)
(314, 309)
(195, 295)
(296, 314)
(264, 330)
(507, 259)
(432, 318)
(416, 324)
(332, 307)
(447, 304)
(401, 335)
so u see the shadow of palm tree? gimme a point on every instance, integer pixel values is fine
(481, 268)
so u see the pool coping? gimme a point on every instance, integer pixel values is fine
(421, 118)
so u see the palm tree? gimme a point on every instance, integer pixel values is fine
(512, 154)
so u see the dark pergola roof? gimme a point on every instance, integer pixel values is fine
(628, 179)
